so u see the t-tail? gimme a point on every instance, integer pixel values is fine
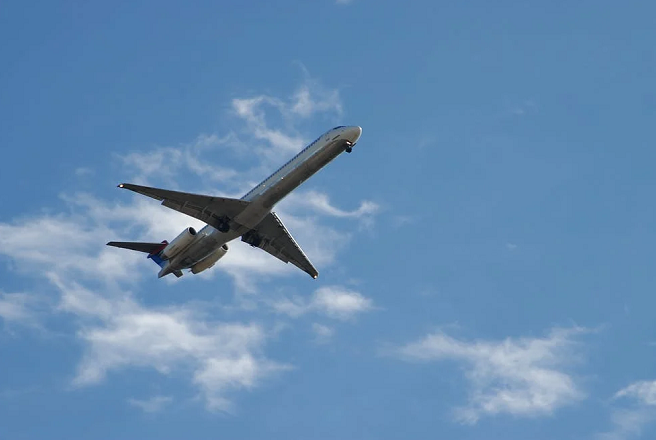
(154, 251)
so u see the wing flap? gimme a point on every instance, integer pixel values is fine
(212, 210)
(275, 239)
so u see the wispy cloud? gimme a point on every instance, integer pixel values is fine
(308, 100)
(323, 333)
(311, 98)
(320, 203)
(99, 286)
(524, 108)
(70, 240)
(267, 142)
(83, 171)
(634, 407)
(73, 242)
(252, 112)
(521, 376)
(120, 333)
(340, 303)
(17, 308)
(399, 221)
(644, 392)
(153, 404)
(333, 301)
(167, 163)
(518, 109)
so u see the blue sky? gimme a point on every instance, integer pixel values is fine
(485, 254)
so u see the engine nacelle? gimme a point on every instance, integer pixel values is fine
(210, 260)
(180, 243)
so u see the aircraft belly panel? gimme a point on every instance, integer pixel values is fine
(300, 174)
(196, 252)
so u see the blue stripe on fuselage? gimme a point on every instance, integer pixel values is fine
(282, 171)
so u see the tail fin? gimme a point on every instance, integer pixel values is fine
(154, 251)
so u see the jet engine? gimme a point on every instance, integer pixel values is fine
(180, 243)
(210, 260)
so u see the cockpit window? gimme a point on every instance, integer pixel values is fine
(339, 126)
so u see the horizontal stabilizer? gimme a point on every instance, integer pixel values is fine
(149, 248)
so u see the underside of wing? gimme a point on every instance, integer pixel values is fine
(272, 237)
(215, 211)
(149, 248)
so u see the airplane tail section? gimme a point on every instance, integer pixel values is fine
(149, 248)
(154, 251)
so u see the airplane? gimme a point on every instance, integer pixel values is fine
(250, 218)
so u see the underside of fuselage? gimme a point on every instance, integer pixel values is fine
(250, 217)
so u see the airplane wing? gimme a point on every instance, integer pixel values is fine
(212, 210)
(275, 239)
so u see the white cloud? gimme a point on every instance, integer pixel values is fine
(73, 241)
(524, 108)
(644, 392)
(251, 111)
(399, 221)
(333, 301)
(99, 286)
(320, 203)
(319, 241)
(17, 308)
(120, 333)
(628, 423)
(522, 376)
(519, 109)
(151, 405)
(83, 171)
(309, 99)
(338, 302)
(636, 409)
(166, 163)
(323, 334)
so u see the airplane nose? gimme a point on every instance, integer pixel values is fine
(354, 134)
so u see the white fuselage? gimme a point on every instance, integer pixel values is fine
(270, 191)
